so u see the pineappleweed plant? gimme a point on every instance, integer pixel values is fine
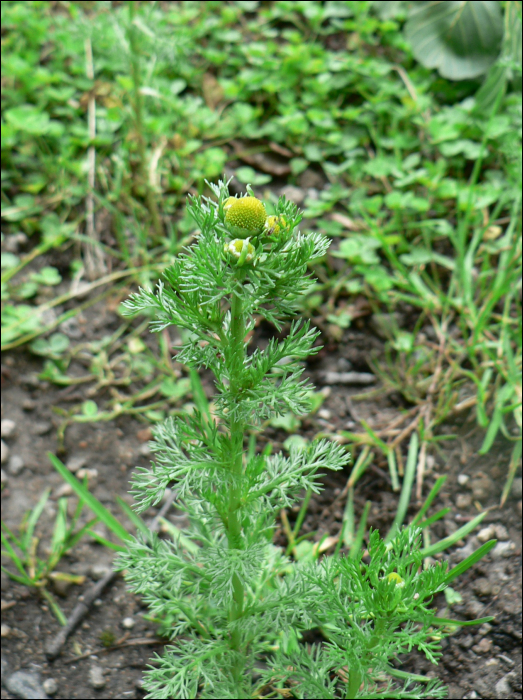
(232, 600)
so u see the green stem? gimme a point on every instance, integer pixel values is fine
(356, 676)
(236, 428)
(138, 118)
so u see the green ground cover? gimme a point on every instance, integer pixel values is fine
(114, 112)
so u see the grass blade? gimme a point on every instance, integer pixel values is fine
(93, 503)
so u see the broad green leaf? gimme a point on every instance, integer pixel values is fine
(460, 39)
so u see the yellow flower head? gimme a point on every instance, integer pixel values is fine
(244, 217)
(274, 224)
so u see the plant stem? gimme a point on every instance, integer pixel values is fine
(236, 428)
(356, 676)
(138, 118)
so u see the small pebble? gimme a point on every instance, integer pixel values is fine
(144, 450)
(128, 623)
(5, 631)
(7, 427)
(482, 586)
(474, 607)
(484, 629)
(25, 685)
(63, 490)
(96, 677)
(76, 462)
(503, 550)
(463, 501)
(502, 688)
(30, 379)
(42, 427)
(293, 193)
(97, 572)
(16, 464)
(13, 241)
(50, 686)
(463, 479)
(467, 641)
(483, 646)
(501, 532)
(4, 479)
(486, 533)
(91, 474)
(4, 453)
(325, 413)
(28, 405)
(483, 488)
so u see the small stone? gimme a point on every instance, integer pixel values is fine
(503, 550)
(13, 242)
(344, 365)
(467, 641)
(96, 677)
(50, 686)
(483, 646)
(463, 479)
(484, 629)
(325, 413)
(128, 623)
(486, 534)
(98, 571)
(516, 488)
(482, 587)
(4, 452)
(5, 480)
(5, 631)
(42, 427)
(25, 685)
(463, 501)
(474, 607)
(31, 380)
(144, 435)
(501, 532)
(503, 688)
(91, 474)
(294, 194)
(144, 450)
(16, 464)
(63, 490)
(76, 462)
(7, 427)
(28, 405)
(62, 587)
(483, 488)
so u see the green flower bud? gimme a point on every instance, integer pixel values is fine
(274, 224)
(237, 247)
(244, 217)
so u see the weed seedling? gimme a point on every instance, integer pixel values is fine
(236, 603)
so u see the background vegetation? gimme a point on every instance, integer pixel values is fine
(397, 124)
